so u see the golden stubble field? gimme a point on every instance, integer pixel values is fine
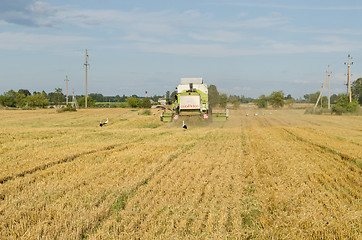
(281, 175)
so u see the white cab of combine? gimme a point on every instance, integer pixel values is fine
(197, 83)
(192, 101)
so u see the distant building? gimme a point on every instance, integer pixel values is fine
(162, 101)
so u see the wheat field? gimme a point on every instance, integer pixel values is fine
(279, 175)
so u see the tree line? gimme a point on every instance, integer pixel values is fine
(24, 99)
(340, 102)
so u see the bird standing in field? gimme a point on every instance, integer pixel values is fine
(184, 126)
(102, 124)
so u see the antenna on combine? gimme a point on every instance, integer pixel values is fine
(66, 80)
(86, 84)
(349, 91)
(320, 95)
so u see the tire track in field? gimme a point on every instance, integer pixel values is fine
(345, 185)
(63, 160)
(70, 159)
(343, 156)
(312, 130)
(126, 196)
(328, 185)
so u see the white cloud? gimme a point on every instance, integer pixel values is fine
(297, 7)
(204, 50)
(217, 36)
(36, 42)
(28, 13)
(261, 22)
(304, 82)
(136, 37)
(173, 32)
(261, 48)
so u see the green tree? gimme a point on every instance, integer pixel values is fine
(312, 97)
(134, 102)
(334, 98)
(276, 99)
(98, 97)
(168, 98)
(156, 97)
(20, 100)
(324, 100)
(146, 103)
(173, 96)
(357, 90)
(343, 105)
(289, 96)
(223, 100)
(56, 97)
(244, 99)
(235, 100)
(13, 99)
(8, 99)
(117, 98)
(261, 102)
(36, 100)
(25, 92)
(90, 102)
(213, 96)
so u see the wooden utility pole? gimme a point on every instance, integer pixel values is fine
(86, 84)
(320, 95)
(349, 91)
(74, 101)
(66, 80)
(329, 87)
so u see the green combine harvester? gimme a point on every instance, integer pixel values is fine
(192, 99)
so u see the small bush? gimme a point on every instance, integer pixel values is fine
(146, 112)
(317, 111)
(67, 109)
(344, 106)
(338, 110)
(261, 102)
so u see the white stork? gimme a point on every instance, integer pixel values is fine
(102, 124)
(184, 126)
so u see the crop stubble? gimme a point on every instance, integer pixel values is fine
(281, 175)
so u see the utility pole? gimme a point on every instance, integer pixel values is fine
(74, 101)
(66, 100)
(320, 95)
(329, 87)
(86, 84)
(349, 91)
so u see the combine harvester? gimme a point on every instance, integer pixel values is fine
(192, 100)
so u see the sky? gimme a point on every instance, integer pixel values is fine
(243, 47)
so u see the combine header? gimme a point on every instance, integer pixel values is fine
(192, 99)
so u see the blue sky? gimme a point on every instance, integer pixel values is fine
(243, 47)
